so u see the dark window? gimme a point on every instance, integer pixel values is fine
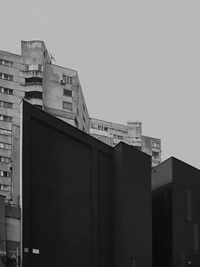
(5, 145)
(155, 154)
(5, 188)
(33, 81)
(67, 105)
(6, 63)
(5, 118)
(5, 174)
(5, 90)
(67, 79)
(33, 94)
(4, 159)
(5, 132)
(6, 104)
(6, 77)
(67, 92)
(100, 127)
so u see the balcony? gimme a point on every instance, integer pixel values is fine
(33, 81)
(33, 94)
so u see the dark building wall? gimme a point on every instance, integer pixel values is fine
(132, 206)
(183, 227)
(67, 195)
(84, 203)
(162, 226)
(162, 174)
(186, 214)
(186, 175)
(186, 222)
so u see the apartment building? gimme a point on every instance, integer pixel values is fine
(112, 133)
(33, 77)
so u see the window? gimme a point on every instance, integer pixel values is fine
(5, 132)
(83, 107)
(77, 112)
(33, 81)
(5, 159)
(6, 104)
(5, 118)
(67, 79)
(33, 94)
(5, 174)
(83, 118)
(6, 63)
(5, 90)
(5, 146)
(67, 105)
(106, 129)
(155, 144)
(67, 92)
(5, 188)
(6, 77)
(100, 127)
(155, 154)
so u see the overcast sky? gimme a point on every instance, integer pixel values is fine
(137, 60)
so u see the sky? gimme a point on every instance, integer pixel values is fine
(136, 60)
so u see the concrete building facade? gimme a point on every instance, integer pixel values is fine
(112, 133)
(33, 77)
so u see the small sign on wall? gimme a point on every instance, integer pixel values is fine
(35, 251)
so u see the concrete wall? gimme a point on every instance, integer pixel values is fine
(34, 52)
(17, 71)
(16, 165)
(53, 96)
